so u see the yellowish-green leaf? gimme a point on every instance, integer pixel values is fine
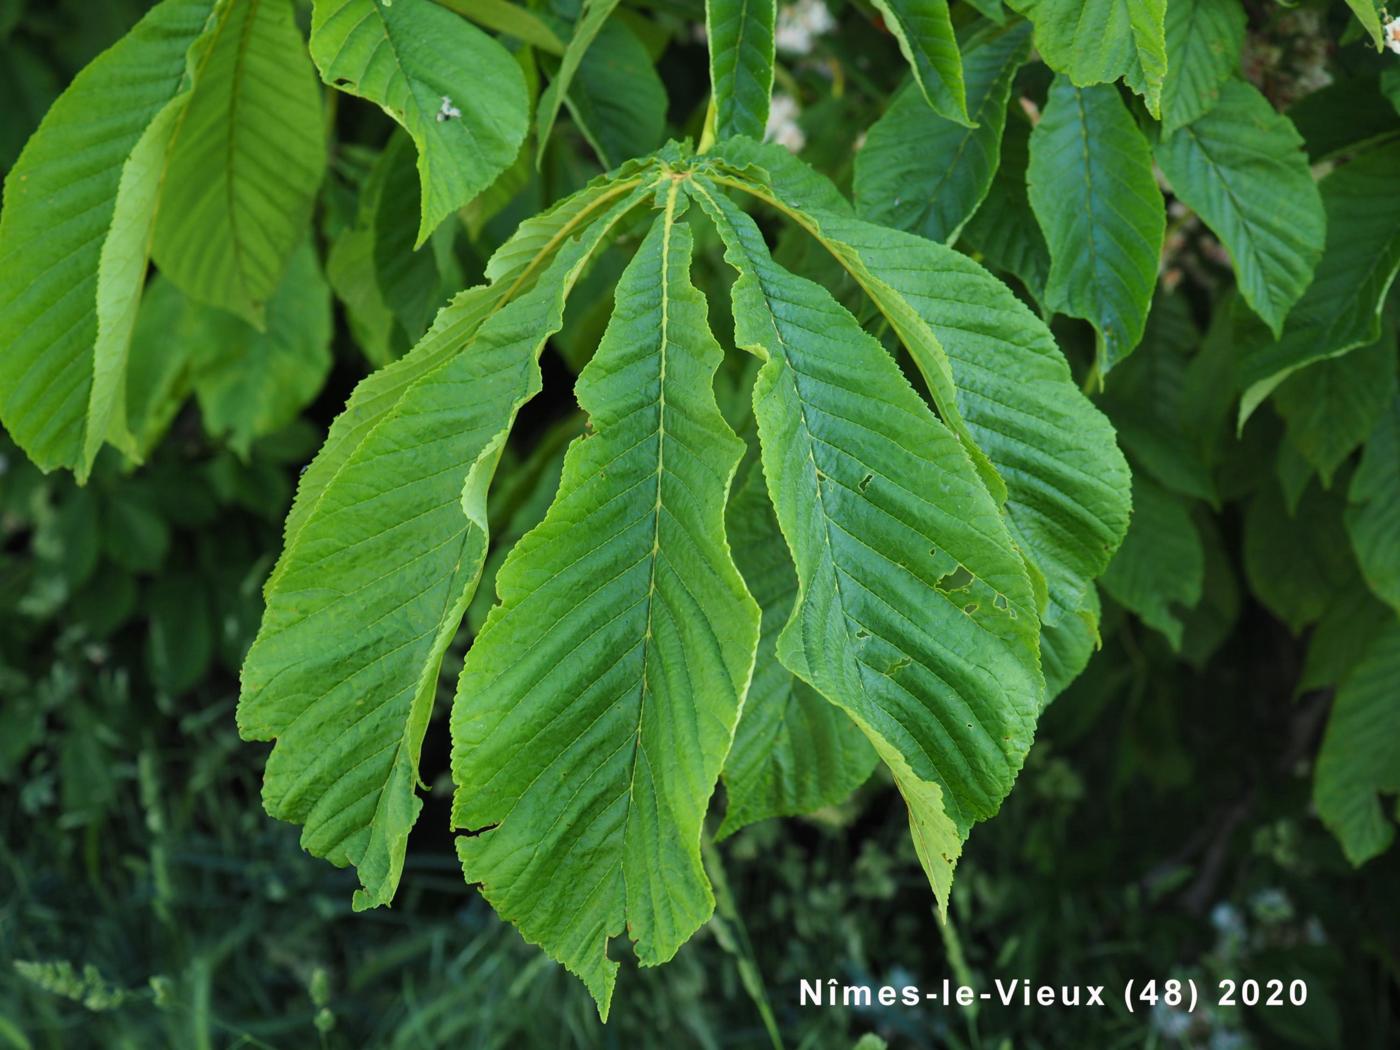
(597, 704)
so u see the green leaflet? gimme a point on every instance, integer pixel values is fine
(1367, 14)
(1066, 486)
(804, 198)
(793, 751)
(741, 64)
(1204, 38)
(159, 367)
(418, 61)
(1360, 756)
(1341, 308)
(1004, 230)
(616, 96)
(511, 270)
(1152, 410)
(1342, 637)
(247, 162)
(384, 547)
(1297, 562)
(252, 383)
(1094, 195)
(914, 611)
(586, 29)
(1332, 406)
(925, 173)
(924, 30)
(1373, 514)
(1098, 41)
(74, 232)
(597, 704)
(1068, 637)
(1242, 168)
(1160, 569)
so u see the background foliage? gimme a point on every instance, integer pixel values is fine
(1164, 824)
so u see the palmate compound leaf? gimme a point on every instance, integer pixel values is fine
(247, 162)
(1341, 310)
(793, 751)
(597, 705)
(741, 63)
(384, 545)
(914, 612)
(1066, 492)
(420, 62)
(79, 204)
(1242, 168)
(1097, 41)
(922, 172)
(1093, 192)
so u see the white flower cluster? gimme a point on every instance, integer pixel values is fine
(800, 24)
(1391, 35)
(782, 123)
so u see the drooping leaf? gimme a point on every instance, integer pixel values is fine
(1067, 485)
(924, 30)
(420, 62)
(590, 23)
(1204, 39)
(1004, 229)
(1373, 514)
(252, 383)
(616, 97)
(1341, 308)
(1094, 195)
(1342, 636)
(804, 197)
(406, 277)
(1062, 481)
(925, 173)
(1359, 761)
(1368, 15)
(1331, 406)
(160, 365)
(596, 707)
(914, 611)
(511, 270)
(384, 546)
(74, 231)
(247, 162)
(1151, 407)
(793, 751)
(1068, 638)
(1296, 562)
(1241, 167)
(741, 64)
(1098, 41)
(1159, 572)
